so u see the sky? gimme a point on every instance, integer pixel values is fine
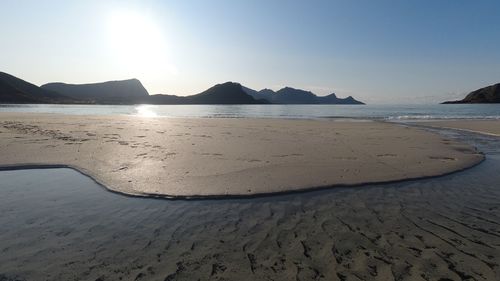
(381, 52)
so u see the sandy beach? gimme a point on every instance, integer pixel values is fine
(62, 226)
(237, 156)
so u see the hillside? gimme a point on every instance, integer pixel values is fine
(290, 95)
(489, 94)
(112, 92)
(15, 90)
(131, 91)
(226, 93)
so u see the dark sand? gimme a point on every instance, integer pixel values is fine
(58, 225)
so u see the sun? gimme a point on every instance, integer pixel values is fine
(137, 40)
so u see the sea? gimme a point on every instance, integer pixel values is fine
(385, 112)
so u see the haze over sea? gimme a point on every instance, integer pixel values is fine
(386, 112)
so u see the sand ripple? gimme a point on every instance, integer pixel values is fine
(61, 227)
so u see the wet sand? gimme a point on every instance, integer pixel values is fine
(488, 127)
(62, 226)
(227, 157)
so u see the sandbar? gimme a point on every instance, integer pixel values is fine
(213, 157)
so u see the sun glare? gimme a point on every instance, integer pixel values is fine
(146, 110)
(137, 41)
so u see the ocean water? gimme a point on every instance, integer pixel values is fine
(388, 112)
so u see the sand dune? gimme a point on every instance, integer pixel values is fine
(214, 157)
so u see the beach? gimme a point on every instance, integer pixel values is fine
(62, 226)
(214, 157)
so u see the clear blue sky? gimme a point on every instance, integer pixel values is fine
(379, 51)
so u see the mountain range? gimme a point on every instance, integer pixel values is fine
(290, 95)
(131, 91)
(489, 94)
(226, 93)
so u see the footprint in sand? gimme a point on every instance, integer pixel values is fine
(442, 158)
(121, 169)
(386, 155)
(346, 158)
(202, 136)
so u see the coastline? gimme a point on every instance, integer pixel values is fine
(33, 166)
(485, 127)
(330, 154)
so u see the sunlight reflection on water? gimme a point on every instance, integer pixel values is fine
(146, 110)
(389, 112)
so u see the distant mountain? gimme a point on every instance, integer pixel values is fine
(490, 94)
(112, 92)
(226, 93)
(166, 99)
(333, 99)
(15, 90)
(266, 94)
(290, 95)
(131, 91)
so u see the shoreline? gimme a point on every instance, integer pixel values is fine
(488, 127)
(390, 113)
(235, 158)
(34, 166)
